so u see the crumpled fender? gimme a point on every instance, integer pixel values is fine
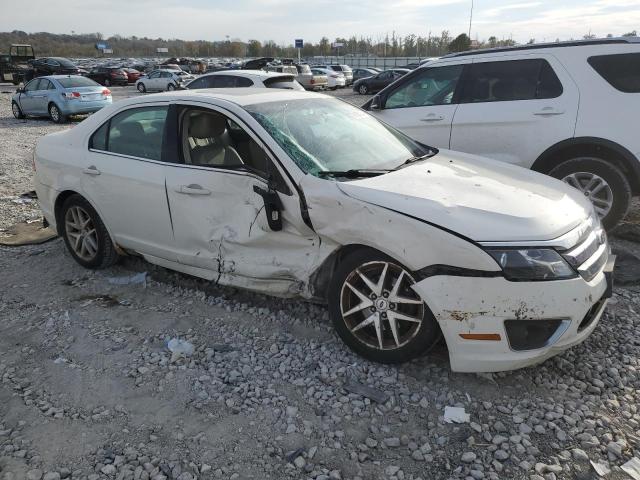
(417, 244)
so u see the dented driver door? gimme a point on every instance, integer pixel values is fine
(219, 216)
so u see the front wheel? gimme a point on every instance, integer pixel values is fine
(376, 312)
(85, 235)
(601, 182)
(56, 115)
(363, 89)
(17, 112)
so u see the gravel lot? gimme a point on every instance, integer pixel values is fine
(90, 391)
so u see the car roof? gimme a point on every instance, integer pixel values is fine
(57, 77)
(239, 96)
(536, 46)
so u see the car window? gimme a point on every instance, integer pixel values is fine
(73, 82)
(154, 75)
(288, 83)
(212, 139)
(622, 71)
(165, 74)
(385, 76)
(509, 81)
(432, 86)
(46, 85)
(32, 85)
(197, 83)
(137, 132)
(243, 82)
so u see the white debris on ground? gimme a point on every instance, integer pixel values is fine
(263, 388)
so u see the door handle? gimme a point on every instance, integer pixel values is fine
(92, 170)
(548, 111)
(193, 189)
(432, 118)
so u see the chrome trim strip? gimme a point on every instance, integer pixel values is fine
(593, 265)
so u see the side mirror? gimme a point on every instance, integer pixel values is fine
(20, 90)
(376, 103)
(272, 207)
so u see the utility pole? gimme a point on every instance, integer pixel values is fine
(470, 19)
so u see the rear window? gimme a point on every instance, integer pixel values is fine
(303, 68)
(510, 81)
(74, 82)
(622, 71)
(288, 83)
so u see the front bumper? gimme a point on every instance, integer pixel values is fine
(471, 305)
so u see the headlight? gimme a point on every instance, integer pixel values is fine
(532, 264)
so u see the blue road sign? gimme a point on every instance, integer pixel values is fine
(299, 43)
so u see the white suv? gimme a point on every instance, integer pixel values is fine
(567, 109)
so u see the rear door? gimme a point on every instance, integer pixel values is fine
(41, 102)
(424, 103)
(219, 213)
(512, 108)
(124, 176)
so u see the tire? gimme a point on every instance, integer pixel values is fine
(101, 255)
(171, 87)
(16, 110)
(363, 89)
(107, 82)
(610, 194)
(358, 329)
(142, 88)
(55, 114)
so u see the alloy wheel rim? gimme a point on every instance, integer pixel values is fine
(55, 115)
(363, 89)
(595, 188)
(379, 307)
(141, 87)
(81, 232)
(16, 110)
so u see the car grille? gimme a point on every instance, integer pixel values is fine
(590, 254)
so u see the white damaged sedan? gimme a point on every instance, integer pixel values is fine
(301, 195)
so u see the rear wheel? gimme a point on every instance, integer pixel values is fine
(375, 311)
(55, 114)
(15, 109)
(142, 88)
(171, 87)
(85, 235)
(363, 89)
(601, 182)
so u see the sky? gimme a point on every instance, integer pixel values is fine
(285, 20)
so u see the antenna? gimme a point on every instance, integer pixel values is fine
(470, 19)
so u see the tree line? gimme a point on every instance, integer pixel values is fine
(83, 45)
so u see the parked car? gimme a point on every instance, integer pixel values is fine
(257, 63)
(334, 79)
(404, 242)
(564, 109)
(359, 73)
(377, 82)
(159, 80)
(59, 96)
(53, 66)
(345, 70)
(109, 76)
(304, 76)
(424, 61)
(282, 69)
(244, 78)
(132, 74)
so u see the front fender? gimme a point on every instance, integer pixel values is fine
(417, 244)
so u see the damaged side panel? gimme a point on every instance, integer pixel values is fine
(225, 230)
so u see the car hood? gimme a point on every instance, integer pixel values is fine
(479, 198)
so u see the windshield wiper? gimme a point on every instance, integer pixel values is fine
(354, 173)
(416, 159)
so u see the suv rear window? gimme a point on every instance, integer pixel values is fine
(622, 71)
(511, 80)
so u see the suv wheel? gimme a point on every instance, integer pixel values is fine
(601, 182)
(375, 311)
(363, 89)
(15, 109)
(55, 114)
(85, 235)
